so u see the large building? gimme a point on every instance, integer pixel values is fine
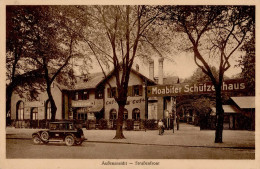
(91, 98)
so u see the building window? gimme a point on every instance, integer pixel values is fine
(82, 116)
(136, 114)
(137, 90)
(82, 113)
(20, 110)
(76, 97)
(34, 113)
(113, 114)
(111, 92)
(99, 93)
(85, 95)
(48, 110)
(81, 95)
(125, 117)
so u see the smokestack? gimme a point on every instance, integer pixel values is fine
(160, 71)
(137, 67)
(151, 69)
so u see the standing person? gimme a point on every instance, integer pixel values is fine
(178, 121)
(160, 127)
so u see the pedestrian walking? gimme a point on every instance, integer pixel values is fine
(161, 127)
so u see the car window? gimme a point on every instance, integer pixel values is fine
(70, 127)
(62, 126)
(53, 126)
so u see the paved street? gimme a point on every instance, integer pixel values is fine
(19, 148)
(187, 143)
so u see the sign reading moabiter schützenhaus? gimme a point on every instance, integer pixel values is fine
(194, 88)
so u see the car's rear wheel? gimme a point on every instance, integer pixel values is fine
(69, 140)
(45, 136)
(36, 139)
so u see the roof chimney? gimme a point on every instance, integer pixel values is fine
(137, 67)
(160, 71)
(151, 69)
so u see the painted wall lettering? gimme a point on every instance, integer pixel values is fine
(197, 88)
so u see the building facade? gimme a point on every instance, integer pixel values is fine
(24, 112)
(90, 99)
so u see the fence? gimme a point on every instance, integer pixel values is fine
(101, 124)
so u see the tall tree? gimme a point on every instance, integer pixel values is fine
(198, 76)
(213, 32)
(39, 39)
(21, 73)
(53, 44)
(120, 34)
(247, 63)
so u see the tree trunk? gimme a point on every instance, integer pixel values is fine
(119, 127)
(9, 92)
(8, 102)
(53, 105)
(219, 114)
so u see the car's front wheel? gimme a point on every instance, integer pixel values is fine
(45, 136)
(36, 139)
(69, 140)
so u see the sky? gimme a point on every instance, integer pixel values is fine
(182, 66)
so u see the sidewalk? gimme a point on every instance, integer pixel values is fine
(187, 136)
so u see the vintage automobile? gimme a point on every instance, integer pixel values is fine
(60, 131)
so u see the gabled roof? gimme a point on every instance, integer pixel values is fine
(149, 81)
(95, 79)
(90, 82)
(245, 102)
(143, 76)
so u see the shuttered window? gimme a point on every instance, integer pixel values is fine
(129, 92)
(137, 90)
(111, 92)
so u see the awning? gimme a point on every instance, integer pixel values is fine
(85, 106)
(95, 109)
(245, 102)
(85, 110)
(152, 99)
(227, 109)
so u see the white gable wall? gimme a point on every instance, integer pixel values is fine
(40, 104)
(133, 101)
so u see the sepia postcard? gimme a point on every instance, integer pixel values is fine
(129, 84)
